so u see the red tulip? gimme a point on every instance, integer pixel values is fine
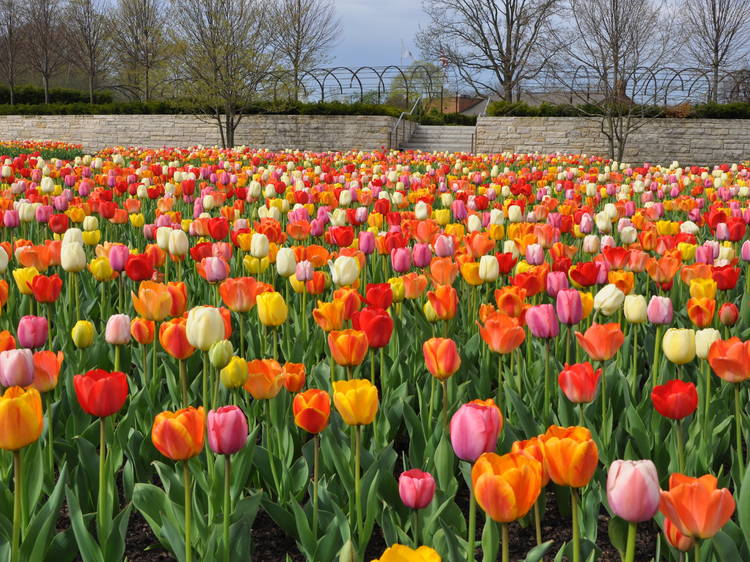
(101, 393)
(675, 399)
(579, 382)
(376, 323)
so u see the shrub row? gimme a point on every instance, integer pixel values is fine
(736, 110)
(35, 95)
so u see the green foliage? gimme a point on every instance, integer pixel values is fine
(436, 118)
(35, 95)
(736, 110)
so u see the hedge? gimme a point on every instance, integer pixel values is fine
(35, 95)
(736, 110)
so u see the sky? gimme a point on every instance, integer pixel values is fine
(372, 31)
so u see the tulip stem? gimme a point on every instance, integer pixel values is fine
(372, 366)
(547, 398)
(153, 359)
(680, 445)
(444, 384)
(580, 415)
(505, 541)
(500, 382)
(117, 358)
(316, 469)
(630, 549)
(183, 383)
(415, 514)
(576, 530)
(242, 334)
(706, 399)
(304, 312)
(188, 511)
(657, 347)
(50, 437)
(471, 539)
(634, 363)
(17, 493)
(382, 368)
(227, 504)
(738, 427)
(145, 366)
(102, 505)
(75, 294)
(357, 491)
(274, 337)
(537, 523)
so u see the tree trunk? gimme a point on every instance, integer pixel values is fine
(45, 86)
(91, 89)
(12, 88)
(146, 93)
(715, 84)
(508, 91)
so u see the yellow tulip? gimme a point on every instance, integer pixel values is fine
(91, 237)
(679, 345)
(137, 220)
(356, 400)
(255, 265)
(82, 334)
(20, 417)
(272, 310)
(101, 269)
(23, 277)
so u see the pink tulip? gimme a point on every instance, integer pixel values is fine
(422, 255)
(118, 329)
(118, 256)
(303, 271)
(474, 429)
(400, 260)
(216, 269)
(416, 488)
(535, 254)
(10, 218)
(366, 242)
(745, 251)
(542, 321)
(704, 254)
(633, 490)
(444, 246)
(32, 331)
(556, 282)
(16, 367)
(227, 430)
(660, 310)
(568, 306)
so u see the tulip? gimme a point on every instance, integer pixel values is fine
(356, 401)
(728, 314)
(376, 323)
(660, 310)
(24, 278)
(441, 357)
(601, 341)
(701, 311)
(82, 334)
(489, 269)
(635, 309)
(234, 374)
(569, 306)
(286, 262)
(142, 330)
(675, 399)
(542, 321)
(311, 410)
(329, 315)
(696, 506)
(679, 345)
(178, 243)
(608, 300)
(32, 332)
(474, 429)
(264, 378)
(227, 430)
(154, 301)
(101, 269)
(403, 553)
(47, 365)
(101, 393)
(204, 327)
(20, 417)
(344, 271)
(239, 293)
(676, 538)
(179, 435)
(348, 347)
(416, 488)
(272, 310)
(117, 331)
(220, 353)
(46, 289)
(633, 490)
(570, 455)
(259, 246)
(703, 341)
(72, 258)
(444, 301)
(579, 382)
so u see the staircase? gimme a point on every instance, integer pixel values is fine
(440, 138)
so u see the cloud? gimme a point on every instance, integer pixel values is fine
(372, 31)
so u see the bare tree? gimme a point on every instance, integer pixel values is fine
(305, 31)
(139, 40)
(224, 53)
(613, 43)
(88, 40)
(718, 34)
(44, 40)
(492, 44)
(11, 22)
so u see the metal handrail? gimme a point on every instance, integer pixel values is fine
(394, 129)
(474, 134)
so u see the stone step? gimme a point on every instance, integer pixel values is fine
(440, 138)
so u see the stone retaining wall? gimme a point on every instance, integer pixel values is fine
(689, 141)
(275, 132)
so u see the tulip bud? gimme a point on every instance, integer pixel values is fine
(633, 491)
(117, 331)
(32, 332)
(234, 374)
(635, 309)
(227, 430)
(16, 367)
(220, 353)
(286, 262)
(703, 341)
(679, 345)
(83, 334)
(72, 257)
(205, 326)
(474, 429)
(416, 488)
(489, 268)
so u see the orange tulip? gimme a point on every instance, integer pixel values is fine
(730, 359)
(264, 378)
(570, 455)
(173, 338)
(506, 486)
(178, 291)
(444, 301)
(294, 376)
(329, 315)
(142, 330)
(623, 280)
(414, 285)
(348, 347)
(470, 273)
(695, 271)
(695, 506)
(351, 298)
(601, 341)
(441, 357)
(47, 365)
(443, 271)
(701, 311)
(20, 417)
(479, 244)
(664, 269)
(502, 333)
(34, 256)
(312, 409)
(510, 300)
(532, 448)
(154, 301)
(179, 435)
(239, 293)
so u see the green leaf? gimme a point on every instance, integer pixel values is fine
(87, 547)
(618, 534)
(41, 526)
(114, 549)
(725, 548)
(490, 541)
(537, 553)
